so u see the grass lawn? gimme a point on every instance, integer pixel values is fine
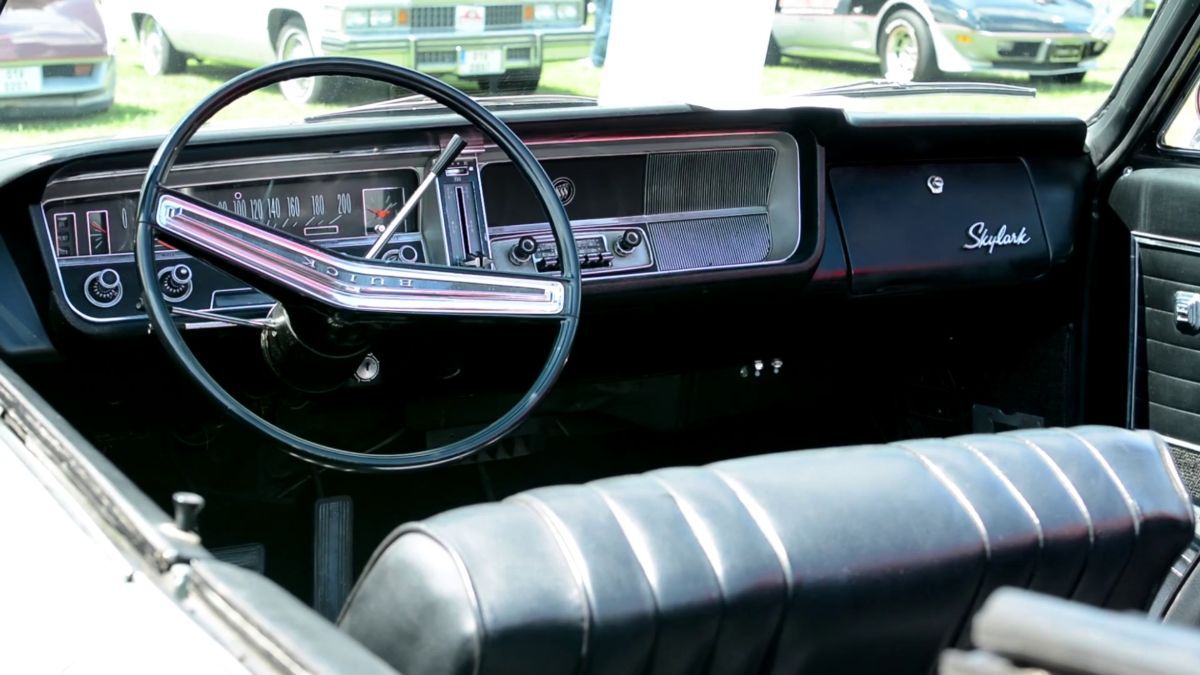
(144, 104)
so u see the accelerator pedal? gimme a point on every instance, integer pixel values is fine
(333, 556)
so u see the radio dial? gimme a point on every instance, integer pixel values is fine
(523, 250)
(176, 283)
(629, 240)
(103, 288)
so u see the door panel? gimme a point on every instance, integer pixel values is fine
(1159, 207)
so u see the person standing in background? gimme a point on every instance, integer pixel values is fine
(603, 21)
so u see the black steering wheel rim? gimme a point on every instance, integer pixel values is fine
(506, 140)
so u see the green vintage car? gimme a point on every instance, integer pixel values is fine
(501, 45)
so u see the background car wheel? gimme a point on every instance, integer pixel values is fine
(906, 48)
(293, 43)
(1066, 78)
(774, 56)
(159, 56)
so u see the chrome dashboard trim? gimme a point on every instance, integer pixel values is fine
(646, 219)
(351, 283)
(506, 231)
(269, 159)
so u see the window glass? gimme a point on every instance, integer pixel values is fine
(78, 69)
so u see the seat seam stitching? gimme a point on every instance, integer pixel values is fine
(1135, 509)
(959, 495)
(1073, 492)
(675, 498)
(1067, 484)
(608, 504)
(464, 575)
(1010, 486)
(766, 530)
(956, 492)
(1018, 498)
(758, 515)
(575, 563)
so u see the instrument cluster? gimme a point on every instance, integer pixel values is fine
(91, 229)
(329, 209)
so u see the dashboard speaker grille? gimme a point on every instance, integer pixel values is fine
(711, 242)
(700, 181)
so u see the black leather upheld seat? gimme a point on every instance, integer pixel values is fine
(864, 559)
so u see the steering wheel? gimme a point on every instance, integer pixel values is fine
(330, 303)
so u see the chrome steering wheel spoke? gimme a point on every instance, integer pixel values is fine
(333, 291)
(342, 282)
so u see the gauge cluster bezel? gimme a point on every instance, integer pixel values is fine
(68, 186)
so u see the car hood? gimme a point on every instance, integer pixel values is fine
(40, 30)
(1039, 16)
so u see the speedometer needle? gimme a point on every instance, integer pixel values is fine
(381, 213)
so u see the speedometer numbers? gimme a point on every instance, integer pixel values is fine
(341, 207)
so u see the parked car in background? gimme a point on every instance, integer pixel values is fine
(54, 59)
(503, 46)
(921, 39)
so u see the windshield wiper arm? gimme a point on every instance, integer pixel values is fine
(880, 88)
(417, 102)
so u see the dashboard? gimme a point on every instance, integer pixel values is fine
(652, 205)
(674, 205)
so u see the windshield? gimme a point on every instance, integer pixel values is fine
(79, 69)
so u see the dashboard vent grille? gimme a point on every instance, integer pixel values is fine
(700, 181)
(711, 242)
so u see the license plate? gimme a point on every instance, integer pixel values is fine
(26, 80)
(1066, 52)
(470, 18)
(481, 62)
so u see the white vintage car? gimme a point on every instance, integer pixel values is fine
(502, 45)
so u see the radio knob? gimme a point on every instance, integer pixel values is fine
(523, 250)
(629, 240)
(103, 288)
(176, 283)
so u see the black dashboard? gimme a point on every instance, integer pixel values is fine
(646, 205)
(666, 200)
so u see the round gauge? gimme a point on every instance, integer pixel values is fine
(380, 206)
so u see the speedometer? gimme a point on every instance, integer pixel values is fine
(347, 206)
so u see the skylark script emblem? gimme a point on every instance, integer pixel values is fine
(982, 238)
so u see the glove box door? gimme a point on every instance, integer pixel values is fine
(912, 227)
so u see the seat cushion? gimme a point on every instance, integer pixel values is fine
(862, 559)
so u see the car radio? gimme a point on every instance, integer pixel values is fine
(606, 250)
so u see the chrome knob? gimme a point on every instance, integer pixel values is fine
(1187, 311)
(629, 240)
(103, 288)
(523, 250)
(176, 283)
